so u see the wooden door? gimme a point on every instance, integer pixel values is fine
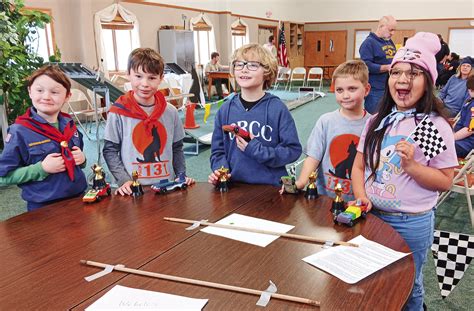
(401, 36)
(314, 48)
(335, 48)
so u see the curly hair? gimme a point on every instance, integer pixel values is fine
(266, 59)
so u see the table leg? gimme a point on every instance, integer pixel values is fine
(209, 87)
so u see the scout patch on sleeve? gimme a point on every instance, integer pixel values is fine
(7, 139)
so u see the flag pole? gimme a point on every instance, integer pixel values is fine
(409, 136)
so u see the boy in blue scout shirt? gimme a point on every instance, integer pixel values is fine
(43, 149)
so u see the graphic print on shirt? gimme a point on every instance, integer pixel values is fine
(341, 162)
(255, 128)
(389, 51)
(150, 143)
(382, 192)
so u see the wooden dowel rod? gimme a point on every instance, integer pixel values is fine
(282, 234)
(202, 283)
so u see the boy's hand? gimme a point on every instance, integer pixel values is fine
(365, 201)
(78, 155)
(242, 143)
(214, 177)
(53, 163)
(189, 181)
(299, 185)
(125, 189)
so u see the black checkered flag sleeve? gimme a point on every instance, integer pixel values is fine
(452, 254)
(427, 136)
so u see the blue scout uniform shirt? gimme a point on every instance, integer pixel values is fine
(24, 147)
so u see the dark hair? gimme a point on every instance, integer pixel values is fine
(454, 56)
(426, 104)
(214, 55)
(55, 73)
(270, 39)
(149, 60)
(470, 83)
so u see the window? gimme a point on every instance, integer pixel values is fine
(41, 41)
(239, 34)
(460, 41)
(359, 37)
(202, 33)
(117, 36)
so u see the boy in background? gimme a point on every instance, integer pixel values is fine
(332, 145)
(144, 132)
(273, 137)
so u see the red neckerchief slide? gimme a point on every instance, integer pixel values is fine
(127, 106)
(53, 133)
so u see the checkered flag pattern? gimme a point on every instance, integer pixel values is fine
(427, 136)
(452, 253)
(292, 168)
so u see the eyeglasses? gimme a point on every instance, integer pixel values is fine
(410, 74)
(252, 66)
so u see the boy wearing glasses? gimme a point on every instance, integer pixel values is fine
(273, 137)
(332, 145)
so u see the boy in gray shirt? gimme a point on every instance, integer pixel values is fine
(144, 132)
(332, 145)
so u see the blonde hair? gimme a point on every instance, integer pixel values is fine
(458, 72)
(266, 59)
(356, 69)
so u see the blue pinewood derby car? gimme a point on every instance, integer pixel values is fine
(166, 185)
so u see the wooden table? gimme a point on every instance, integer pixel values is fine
(40, 252)
(217, 75)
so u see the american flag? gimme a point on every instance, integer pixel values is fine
(282, 54)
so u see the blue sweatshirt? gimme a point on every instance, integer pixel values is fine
(375, 51)
(454, 94)
(275, 144)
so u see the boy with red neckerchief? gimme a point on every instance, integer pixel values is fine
(144, 132)
(43, 149)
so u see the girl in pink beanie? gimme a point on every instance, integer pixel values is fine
(392, 174)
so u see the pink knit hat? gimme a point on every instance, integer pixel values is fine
(420, 50)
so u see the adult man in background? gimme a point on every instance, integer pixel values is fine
(214, 65)
(377, 51)
(270, 45)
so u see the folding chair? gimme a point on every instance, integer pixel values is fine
(318, 73)
(283, 76)
(297, 74)
(463, 182)
(79, 98)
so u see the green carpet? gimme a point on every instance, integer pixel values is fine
(451, 216)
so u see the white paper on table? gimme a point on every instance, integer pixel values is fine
(352, 264)
(249, 222)
(126, 298)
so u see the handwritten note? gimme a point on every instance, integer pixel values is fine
(249, 222)
(126, 298)
(352, 264)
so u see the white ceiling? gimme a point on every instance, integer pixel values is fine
(336, 10)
